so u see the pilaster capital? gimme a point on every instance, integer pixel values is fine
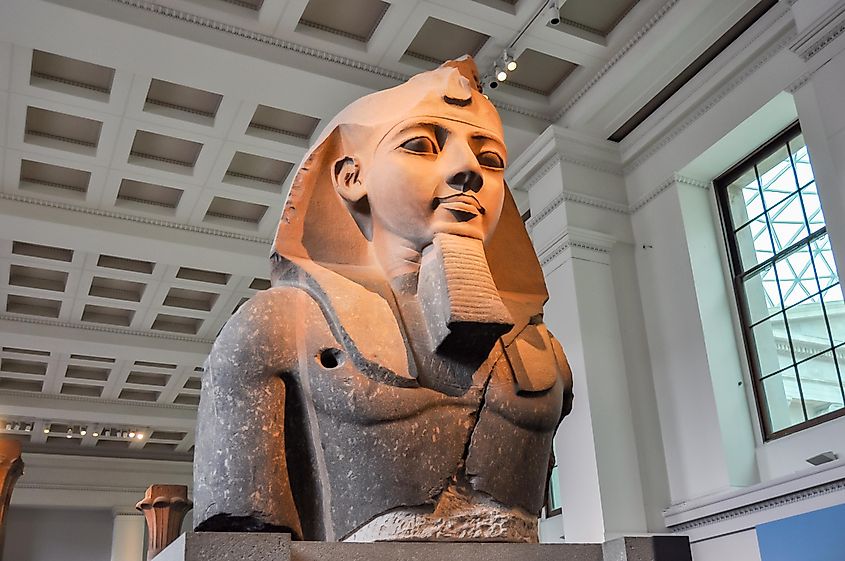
(558, 144)
(164, 508)
(576, 243)
(821, 33)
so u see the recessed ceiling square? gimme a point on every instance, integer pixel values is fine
(356, 19)
(31, 306)
(222, 208)
(108, 315)
(125, 264)
(177, 324)
(159, 147)
(281, 122)
(201, 275)
(81, 390)
(87, 373)
(65, 71)
(42, 251)
(41, 177)
(438, 41)
(116, 289)
(43, 125)
(149, 194)
(248, 169)
(596, 17)
(190, 299)
(539, 72)
(185, 99)
(35, 277)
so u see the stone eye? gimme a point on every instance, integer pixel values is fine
(419, 145)
(491, 160)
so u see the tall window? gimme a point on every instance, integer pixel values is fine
(787, 287)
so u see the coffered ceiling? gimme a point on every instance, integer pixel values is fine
(147, 148)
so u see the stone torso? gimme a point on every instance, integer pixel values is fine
(476, 445)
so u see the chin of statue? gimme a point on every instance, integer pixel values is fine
(463, 311)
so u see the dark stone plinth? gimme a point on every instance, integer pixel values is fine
(234, 546)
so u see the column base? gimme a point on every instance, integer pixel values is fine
(236, 546)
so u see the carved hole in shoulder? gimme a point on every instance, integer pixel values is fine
(331, 358)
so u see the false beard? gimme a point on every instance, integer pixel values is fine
(463, 311)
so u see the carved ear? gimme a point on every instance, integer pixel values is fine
(345, 177)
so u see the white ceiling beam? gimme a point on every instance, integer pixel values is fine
(90, 410)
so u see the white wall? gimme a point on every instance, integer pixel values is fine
(702, 464)
(36, 534)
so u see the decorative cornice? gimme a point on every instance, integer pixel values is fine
(540, 173)
(105, 328)
(587, 200)
(654, 193)
(616, 57)
(711, 102)
(798, 496)
(575, 238)
(100, 400)
(800, 82)
(133, 218)
(819, 35)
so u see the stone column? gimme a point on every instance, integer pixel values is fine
(127, 543)
(11, 467)
(164, 507)
(577, 226)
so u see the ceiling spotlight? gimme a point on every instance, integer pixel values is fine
(28, 428)
(69, 433)
(46, 430)
(501, 75)
(8, 426)
(83, 431)
(554, 12)
(140, 436)
(508, 61)
(95, 434)
(106, 433)
(131, 434)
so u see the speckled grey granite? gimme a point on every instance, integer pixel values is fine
(237, 546)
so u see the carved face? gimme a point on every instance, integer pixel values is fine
(431, 175)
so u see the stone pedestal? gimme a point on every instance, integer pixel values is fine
(164, 508)
(11, 467)
(213, 546)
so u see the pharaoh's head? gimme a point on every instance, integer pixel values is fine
(400, 169)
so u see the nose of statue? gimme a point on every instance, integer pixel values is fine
(466, 180)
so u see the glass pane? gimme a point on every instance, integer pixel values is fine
(773, 348)
(820, 385)
(783, 400)
(835, 307)
(744, 198)
(761, 294)
(554, 490)
(754, 243)
(796, 276)
(777, 180)
(812, 206)
(787, 220)
(823, 260)
(801, 158)
(807, 327)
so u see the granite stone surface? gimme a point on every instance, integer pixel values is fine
(243, 546)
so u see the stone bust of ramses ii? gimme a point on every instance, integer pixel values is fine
(397, 381)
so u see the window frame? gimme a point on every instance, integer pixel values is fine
(720, 187)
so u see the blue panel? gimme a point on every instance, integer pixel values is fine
(814, 536)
